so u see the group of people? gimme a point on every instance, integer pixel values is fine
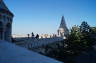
(32, 35)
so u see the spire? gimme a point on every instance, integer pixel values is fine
(3, 6)
(63, 30)
(62, 24)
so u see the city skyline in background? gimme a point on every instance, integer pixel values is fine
(44, 16)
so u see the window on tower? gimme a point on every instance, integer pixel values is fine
(4, 18)
(0, 17)
(8, 19)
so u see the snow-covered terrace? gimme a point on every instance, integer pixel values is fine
(10, 53)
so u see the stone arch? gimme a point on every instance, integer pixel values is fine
(1, 31)
(8, 32)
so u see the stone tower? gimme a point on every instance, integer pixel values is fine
(63, 30)
(6, 18)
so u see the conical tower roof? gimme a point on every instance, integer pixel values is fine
(62, 24)
(4, 7)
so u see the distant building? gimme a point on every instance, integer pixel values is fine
(6, 18)
(63, 30)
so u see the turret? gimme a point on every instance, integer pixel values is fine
(6, 18)
(63, 30)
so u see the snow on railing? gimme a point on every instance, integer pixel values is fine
(34, 43)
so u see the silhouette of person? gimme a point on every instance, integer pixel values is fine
(32, 34)
(28, 35)
(37, 36)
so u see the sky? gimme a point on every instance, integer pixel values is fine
(44, 16)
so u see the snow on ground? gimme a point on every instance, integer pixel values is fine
(10, 53)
